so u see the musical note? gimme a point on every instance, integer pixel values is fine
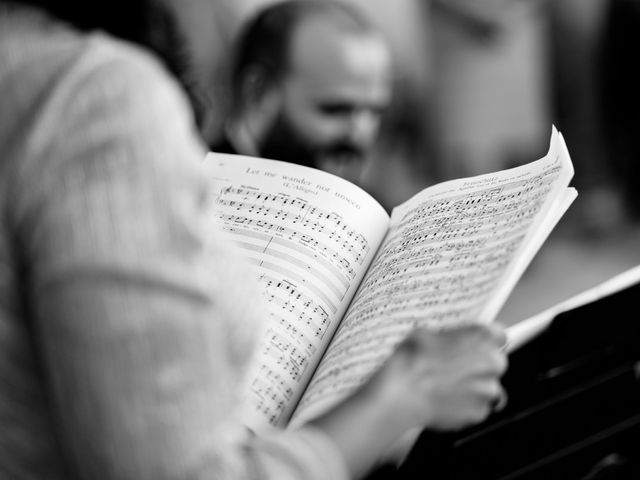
(272, 209)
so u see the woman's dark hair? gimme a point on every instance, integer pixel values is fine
(147, 23)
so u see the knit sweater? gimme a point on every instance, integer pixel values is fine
(125, 324)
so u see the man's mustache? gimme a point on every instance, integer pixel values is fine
(346, 151)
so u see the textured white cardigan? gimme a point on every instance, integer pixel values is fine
(125, 324)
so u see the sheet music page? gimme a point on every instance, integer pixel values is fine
(453, 254)
(310, 237)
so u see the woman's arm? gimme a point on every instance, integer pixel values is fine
(140, 311)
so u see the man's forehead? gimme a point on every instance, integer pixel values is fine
(323, 54)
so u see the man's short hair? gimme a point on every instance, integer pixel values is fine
(265, 40)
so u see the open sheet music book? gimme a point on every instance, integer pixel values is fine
(345, 283)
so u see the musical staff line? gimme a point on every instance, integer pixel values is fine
(339, 293)
(319, 221)
(299, 278)
(302, 308)
(343, 278)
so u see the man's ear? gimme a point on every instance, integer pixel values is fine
(260, 95)
(256, 86)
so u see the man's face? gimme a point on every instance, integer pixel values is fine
(330, 100)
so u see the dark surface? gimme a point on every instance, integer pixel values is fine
(573, 412)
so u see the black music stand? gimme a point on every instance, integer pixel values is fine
(573, 411)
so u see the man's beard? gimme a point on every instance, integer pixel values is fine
(283, 142)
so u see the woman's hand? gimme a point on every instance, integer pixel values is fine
(445, 379)
(439, 379)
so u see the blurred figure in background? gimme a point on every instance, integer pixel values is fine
(577, 31)
(125, 328)
(310, 81)
(619, 97)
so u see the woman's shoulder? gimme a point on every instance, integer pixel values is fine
(44, 53)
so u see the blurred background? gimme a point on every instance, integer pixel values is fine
(479, 84)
